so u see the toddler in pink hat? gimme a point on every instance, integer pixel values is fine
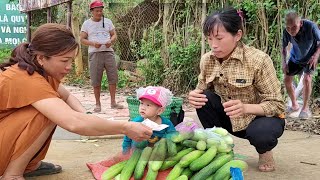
(158, 95)
(153, 102)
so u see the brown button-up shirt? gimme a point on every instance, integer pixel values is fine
(248, 75)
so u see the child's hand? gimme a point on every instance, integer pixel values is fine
(153, 140)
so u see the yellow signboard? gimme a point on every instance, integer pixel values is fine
(29, 5)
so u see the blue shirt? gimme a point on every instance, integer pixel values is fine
(128, 143)
(304, 44)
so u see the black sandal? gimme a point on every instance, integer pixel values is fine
(45, 168)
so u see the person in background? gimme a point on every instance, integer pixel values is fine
(304, 35)
(34, 102)
(237, 88)
(99, 34)
(153, 102)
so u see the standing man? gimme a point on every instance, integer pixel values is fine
(99, 34)
(305, 38)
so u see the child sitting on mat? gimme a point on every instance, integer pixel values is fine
(153, 102)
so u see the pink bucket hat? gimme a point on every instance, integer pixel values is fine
(159, 95)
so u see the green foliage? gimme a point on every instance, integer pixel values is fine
(77, 80)
(153, 66)
(314, 10)
(4, 54)
(316, 83)
(123, 81)
(39, 17)
(184, 62)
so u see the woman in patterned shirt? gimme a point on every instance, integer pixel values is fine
(238, 88)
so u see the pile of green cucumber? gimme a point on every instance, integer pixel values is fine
(187, 155)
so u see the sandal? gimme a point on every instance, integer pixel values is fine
(304, 115)
(97, 109)
(266, 162)
(45, 168)
(117, 106)
(291, 110)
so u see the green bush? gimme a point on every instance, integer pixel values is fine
(153, 67)
(73, 79)
(184, 57)
(4, 54)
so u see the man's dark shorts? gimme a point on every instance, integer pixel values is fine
(294, 68)
(100, 61)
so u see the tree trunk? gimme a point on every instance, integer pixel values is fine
(166, 28)
(49, 18)
(69, 13)
(78, 59)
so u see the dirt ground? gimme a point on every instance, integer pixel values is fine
(293, 148)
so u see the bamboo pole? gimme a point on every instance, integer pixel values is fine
(203, 17)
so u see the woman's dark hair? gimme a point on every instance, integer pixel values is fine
(230, 18)
(48, 40)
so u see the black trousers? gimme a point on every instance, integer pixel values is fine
(263, 132)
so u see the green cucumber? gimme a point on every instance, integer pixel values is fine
(182, 177)
(201, 145)
(172, 148)
(211, 168)
(200, 135)
(172, 161)
(113, 171)
(151, 175)
(190, 143)
(181, 136)
(224, 171)
(175, 172)
(189, 158)
(187, 172)
(142, 163)
(204, 160)
(130, 165)
(160, 155)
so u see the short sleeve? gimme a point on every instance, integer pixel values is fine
(316, 31)
(109, 24)
(84, 27)
(285, 40)
(19, 89)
